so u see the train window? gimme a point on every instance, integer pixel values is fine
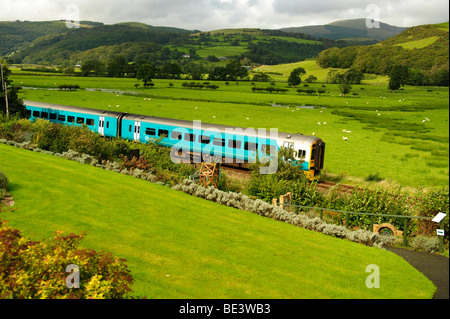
(249, 146)
(204, 139)
(219, 142)
(234, 144)
(164, 133)
(301, 153)
(176, 135)
(61, 118)
(89, 122)
(80, 120)
(28, 113)
(71, 119)
(107, 124)
(268, 149)
(36, 113)
(149, 131)
(53, 116)
(44, 115)
(189, 137)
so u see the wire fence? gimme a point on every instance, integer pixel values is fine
(406, 219)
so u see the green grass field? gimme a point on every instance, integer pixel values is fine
(388, 134)
(178, 246)
(418, 44)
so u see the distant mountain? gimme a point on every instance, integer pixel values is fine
(52, 43)
(349, 30)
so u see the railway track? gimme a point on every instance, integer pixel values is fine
(324, 186)
(235, 170)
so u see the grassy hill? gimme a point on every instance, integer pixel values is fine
(178, 246)
(354, 29)
(17, 35)
(422, 48)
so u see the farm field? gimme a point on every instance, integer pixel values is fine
(402, 135)
(178, 246)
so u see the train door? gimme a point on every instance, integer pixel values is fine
(101, 126)
(288, 145)
(137, 131)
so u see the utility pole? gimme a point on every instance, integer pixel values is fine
(6, 92)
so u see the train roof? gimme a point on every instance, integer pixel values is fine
(291, 137)
(73, 108)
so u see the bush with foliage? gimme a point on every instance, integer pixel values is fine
(33, 269)
(428, 244)
(3, 180)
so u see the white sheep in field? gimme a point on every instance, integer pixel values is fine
(345, 138)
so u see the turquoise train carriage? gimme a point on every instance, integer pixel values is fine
(106, 123)
(190, 141)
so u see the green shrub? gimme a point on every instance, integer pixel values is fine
(428, 244)
(3, 181)
(36, 270)
(374, 177)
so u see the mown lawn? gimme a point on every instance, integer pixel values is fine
(178, 246)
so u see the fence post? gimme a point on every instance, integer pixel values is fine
(405, 232)
(274, 201)
(441, 238)
(347, 220)
(281, 201)
(371, 223)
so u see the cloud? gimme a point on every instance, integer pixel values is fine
(215, 14)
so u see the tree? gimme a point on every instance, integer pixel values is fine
(311, 79)
(15, 105)
(345, 87)
(195, 70)
(294, 77)
(92, 66)
(398, 76)
(145, 71)
(218, 74)
(353, 76)
(117, 67)
(171, 70)
(235, 70)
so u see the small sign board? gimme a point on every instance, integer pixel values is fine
(439, 217)
(440, 232)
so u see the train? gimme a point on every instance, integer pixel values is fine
(190, 140)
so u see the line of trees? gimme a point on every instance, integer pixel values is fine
(146, 71)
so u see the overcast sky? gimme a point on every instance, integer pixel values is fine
(207, 15)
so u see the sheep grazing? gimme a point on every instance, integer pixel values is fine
(345, 138)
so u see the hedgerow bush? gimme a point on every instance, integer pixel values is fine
(36, 270)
